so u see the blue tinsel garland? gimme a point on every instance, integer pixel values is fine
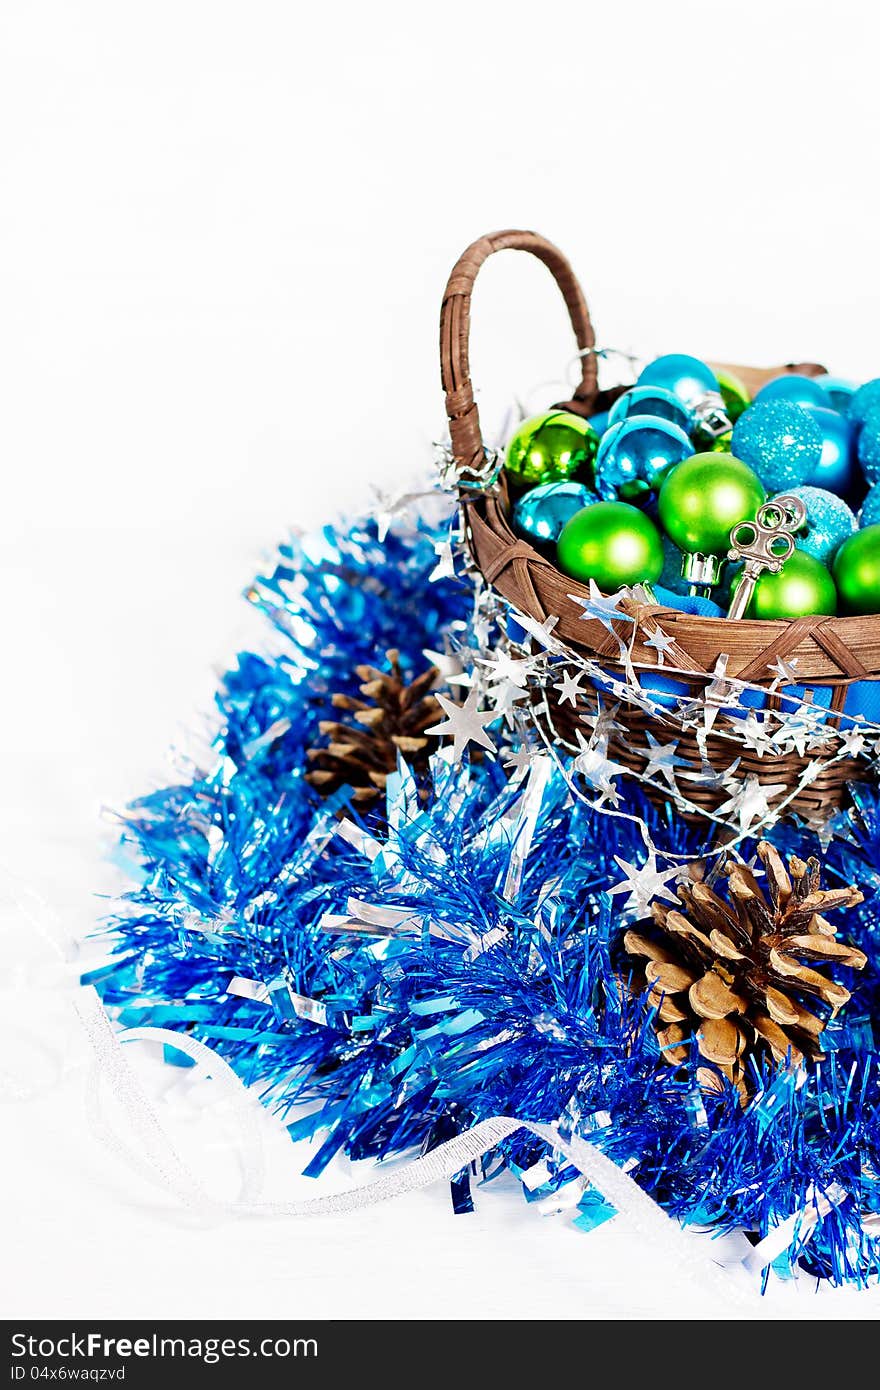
(480, 1003)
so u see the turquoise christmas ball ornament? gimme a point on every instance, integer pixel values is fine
(541, 513)
(868, 448)
(862, 401)
(636, 454)
(799, 390)
(838, 390)
(829, 523)
(614, 544)
(837, 470)
(780, 441)
(870, 513)
(686, 377)
(653, 401)
(599, 422)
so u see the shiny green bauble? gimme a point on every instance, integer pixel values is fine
(735, 396)
(856, 572)
(613, 543)
(703, 497)
(550, 448)
(802, 588)
(721, 445)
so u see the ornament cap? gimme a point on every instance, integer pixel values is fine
(712, 420)
(701, 571)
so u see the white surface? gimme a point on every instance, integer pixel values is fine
(225, 234)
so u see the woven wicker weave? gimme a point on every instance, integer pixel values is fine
(830, 651)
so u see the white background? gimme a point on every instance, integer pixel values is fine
(225, 232)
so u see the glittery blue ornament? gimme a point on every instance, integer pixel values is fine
(800, 390)
(829, 522)
(634, 456)
(654, 401)
(838, 390)
(780, 441)
(869, 444)
(541, 513)
(836, 470)
(863, 400)
(686, 377)
(870, 513)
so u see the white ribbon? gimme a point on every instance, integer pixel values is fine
(156, 1157)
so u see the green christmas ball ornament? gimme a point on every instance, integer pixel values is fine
(856, 572)
(613, 543)
(734, 394)
(703, 497)
(637, 491)
(721, 445)
(551, 448)
(801, 589)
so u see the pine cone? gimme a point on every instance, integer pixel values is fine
(361, 750)
(731, 973)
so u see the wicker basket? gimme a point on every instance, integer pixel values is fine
(830, 652)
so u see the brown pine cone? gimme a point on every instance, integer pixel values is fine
(362, 746)
(732, 974)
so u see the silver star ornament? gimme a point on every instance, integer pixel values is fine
(569, 687)
(643, 883)
(465, 723)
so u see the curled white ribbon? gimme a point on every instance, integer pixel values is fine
(154, 1155)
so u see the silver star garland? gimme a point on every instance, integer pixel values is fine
(506, 680)
(661, 644)
(784, 672)
(570, 688)
(643, 883)
(465, 723)
(445, 566)
(750, 802)
(661, 759)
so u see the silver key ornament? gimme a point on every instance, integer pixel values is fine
(764, 544)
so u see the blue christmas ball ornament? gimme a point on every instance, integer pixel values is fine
(653, 401)
(838, 390)
(780, 441)
(541, 513)
(837, 470)
(686, 377)
(800, 390)
(870, 513)
(869, 445)
(862, 401)
(635, 455)
(599, 422)
(829, 522)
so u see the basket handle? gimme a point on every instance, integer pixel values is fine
(455, 314)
